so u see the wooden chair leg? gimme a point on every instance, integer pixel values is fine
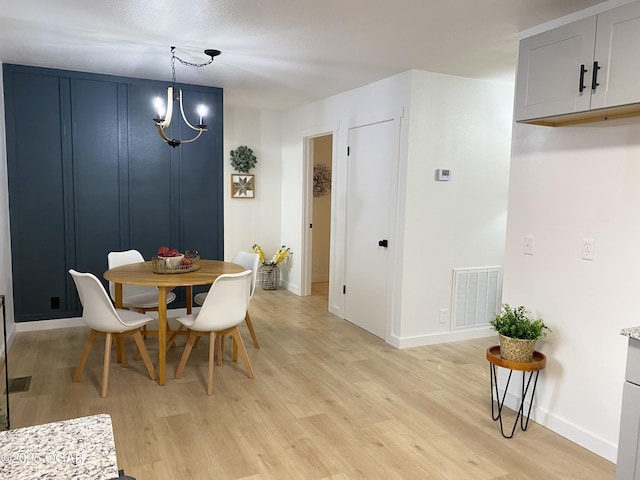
(187, 351)
(105, 367)
(235, 333)
(121, 351)
(220, 347)
(174, 335)
(247, 319)
(212, 344)
(85, 354)
(118, 358)
(234, 349)
(144, 354)
(254, 338)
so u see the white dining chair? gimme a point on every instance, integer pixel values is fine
(104, 320)
(135, 297)
(250, 262)
(223, 310)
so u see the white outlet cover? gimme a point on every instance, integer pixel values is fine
(588, 249)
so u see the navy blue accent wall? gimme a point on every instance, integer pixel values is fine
(88, 174)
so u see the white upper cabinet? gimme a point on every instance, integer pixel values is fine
(551, 66)
(618, 53)
(582, 71)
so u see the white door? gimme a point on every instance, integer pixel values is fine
(371, 173)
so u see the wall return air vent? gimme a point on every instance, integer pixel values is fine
(476, 296)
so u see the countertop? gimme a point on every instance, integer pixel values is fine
(80, 448)
(631, 332)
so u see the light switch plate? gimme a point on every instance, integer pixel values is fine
(528, 245)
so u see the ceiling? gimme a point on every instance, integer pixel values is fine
(276, 54)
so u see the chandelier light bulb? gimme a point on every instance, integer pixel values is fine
(159, 107)
(202, 112)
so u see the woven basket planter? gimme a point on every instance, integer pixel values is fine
(269, 277)
(516, 350)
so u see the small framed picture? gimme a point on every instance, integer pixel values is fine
(242, 185)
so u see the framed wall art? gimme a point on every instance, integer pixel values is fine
(242, 185)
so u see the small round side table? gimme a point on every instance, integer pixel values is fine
(533, 367)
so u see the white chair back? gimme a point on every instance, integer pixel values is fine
(97, 310)
(117, 259)
(250, 262)
(226, 303)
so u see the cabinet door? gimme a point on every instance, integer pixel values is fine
(628, 460)
(548, 77)
(616, 51)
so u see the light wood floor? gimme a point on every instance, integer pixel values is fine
(329, 401)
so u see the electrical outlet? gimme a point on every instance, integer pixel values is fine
(444, 313)
(588, 249)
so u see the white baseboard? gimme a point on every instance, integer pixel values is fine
(570, 431)
(436, 338)
(48, 324)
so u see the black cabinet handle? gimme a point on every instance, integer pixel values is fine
(383, 243)
(582, 72)
(594, 76)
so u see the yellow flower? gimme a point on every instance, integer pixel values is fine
(281, 254)
(258, 249)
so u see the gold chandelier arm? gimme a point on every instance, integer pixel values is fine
(170, 141)
(167, 118)
(160, 129)
(184, 117)
(194, 138)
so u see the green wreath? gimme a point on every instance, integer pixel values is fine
(243, 159)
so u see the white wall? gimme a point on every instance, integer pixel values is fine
(567, 184)
(463, 125)
(256, 220)
(448, 122)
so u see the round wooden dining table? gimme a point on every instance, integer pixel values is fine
(143, 274)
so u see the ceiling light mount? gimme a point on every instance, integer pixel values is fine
(164, 114)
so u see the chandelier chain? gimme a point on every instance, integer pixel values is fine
(174, 57)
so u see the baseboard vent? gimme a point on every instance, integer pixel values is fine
(476, 296)
(20, 384)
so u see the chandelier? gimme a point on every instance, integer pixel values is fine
(163, 120)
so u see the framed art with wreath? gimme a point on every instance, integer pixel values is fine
(242, 185)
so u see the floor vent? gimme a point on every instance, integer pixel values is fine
(476, 296)
(20, 384)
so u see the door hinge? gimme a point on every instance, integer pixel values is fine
(348, 151)
(344, 289)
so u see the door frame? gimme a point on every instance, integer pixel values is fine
(307, 205)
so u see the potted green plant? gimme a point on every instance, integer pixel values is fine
(518, 332)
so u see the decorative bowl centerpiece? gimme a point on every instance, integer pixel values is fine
(173, 262)
(170, 260)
